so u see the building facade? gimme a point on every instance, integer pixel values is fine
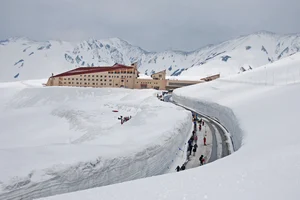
(157, 81)
(117, 76)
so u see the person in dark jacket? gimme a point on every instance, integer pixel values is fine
(178, 168)
(190, 149)
(182, 167)
(190, 141)
(195, 149)
(201, 159)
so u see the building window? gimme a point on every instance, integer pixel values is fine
(110, 84)
(76, 79)
(89, 75)
(93, 83)
(96, 79)
(101, 83)
(77, 83)
(117, 76)
(122, 80)
(116, 83)
(104, 79)
(92, 79)
(108, 76)
(80, 75)
(89, 79)
(72, 78)
(68, 78)
(104, 83)
(80, 79)
(100, 79)
(110, 80)
(65, 82)
(84, 75)
(92, 75)
(84, 79)
(105, 76)
(100, 76)
(97, 75)
(69, 82)
(127, 80)
(84, 83)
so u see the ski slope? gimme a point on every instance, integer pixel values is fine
(261, 110)
(62, 139)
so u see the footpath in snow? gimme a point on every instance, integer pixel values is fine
(202, 149)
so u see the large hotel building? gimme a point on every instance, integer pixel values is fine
(118, 76)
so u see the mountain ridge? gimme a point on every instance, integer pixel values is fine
(22, 56)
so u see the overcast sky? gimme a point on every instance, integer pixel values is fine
(154, 25)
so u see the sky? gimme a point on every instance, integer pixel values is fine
(154, 25)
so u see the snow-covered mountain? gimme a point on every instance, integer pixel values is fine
(21, 58)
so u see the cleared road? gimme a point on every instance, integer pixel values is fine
(212, 126)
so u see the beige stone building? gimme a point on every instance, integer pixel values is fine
(117, 76)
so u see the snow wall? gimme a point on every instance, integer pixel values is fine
(222, 114)
(153, 160)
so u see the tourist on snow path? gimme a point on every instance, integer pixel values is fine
(200, 127)
(203, 123)
(192, 139)
(201, 159)
(204, 141)
(182, 167)
(195, 149)
(178, 168)
(195, 139)
(190, 149)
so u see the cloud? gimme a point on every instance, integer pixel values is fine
(153, 25)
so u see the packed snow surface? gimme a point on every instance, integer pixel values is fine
(62, 139)
(261, 111)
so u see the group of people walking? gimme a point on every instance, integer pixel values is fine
(192, 142)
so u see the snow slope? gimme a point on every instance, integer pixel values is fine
(263, 120)
(62, 139)
(23, 59)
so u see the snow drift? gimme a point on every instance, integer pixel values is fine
(60, 139)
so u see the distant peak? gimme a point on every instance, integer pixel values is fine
(21, 38)
(264, 32)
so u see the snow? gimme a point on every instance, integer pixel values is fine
(188, 78)
(62, 139)
(262, 115)
(20, 57)
(143, 76)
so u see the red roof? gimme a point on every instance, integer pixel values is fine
(88, 70)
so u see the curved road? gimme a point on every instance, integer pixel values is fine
(215, 129)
